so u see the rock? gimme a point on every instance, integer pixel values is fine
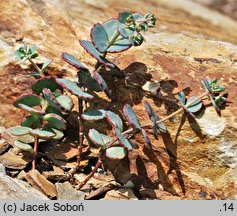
(13, 161)
(56, 175)
(120, 194)
(17, 189)
(187, 45)
(151, 87)
(39, 182)
(65, 191)
(3, 145)
(22, 175)
(147, 193)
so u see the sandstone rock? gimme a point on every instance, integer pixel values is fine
(120, 194)
(147, 193)
(3, 145)
(17, 189)
(39, 182)
(65, 191)
(14, 161)
(187, 45)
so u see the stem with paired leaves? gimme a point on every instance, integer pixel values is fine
(99, 162)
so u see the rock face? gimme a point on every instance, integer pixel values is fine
(197, 158)
(17, 189)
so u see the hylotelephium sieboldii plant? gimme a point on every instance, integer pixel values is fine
(112, 36)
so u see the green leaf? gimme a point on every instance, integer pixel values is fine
(99, 38)
(194, 107)
(146, 138)
(31, 121)
(89, 48)
(45, 82)
(42, 134)
(30, 109)
(102, 83)
(29, 100)
(73, 88)
(20, 130)
(122, 140)
(114, 120)
(87, 81)
(94, 115)
(58, 133)
(70, 59)
(181, 97)
(117, 153)
(123, 16)
(55, 120)
(120, 44)
(65, 102)
(46, 64)
(23, 146)
(131, 117)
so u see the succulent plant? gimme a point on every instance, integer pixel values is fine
(48, 105)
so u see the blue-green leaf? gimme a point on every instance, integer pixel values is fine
(123, 16)
(70, 59)
(89, 47)
(94, 115)
(23, 146)
(122, 140)
(73, 88)
(99, 38)
(116, 153)
(45, 82)
(29, 100)
(55, 120)
(194, 107)
(131, 117)
(20, 130)
(31, 121)
(42, 134)
(46, 64)
(114, 120)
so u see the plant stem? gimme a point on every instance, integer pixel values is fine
(35, 66)
(81, 131)
(99, 162)
(161, 120)
(98, 64)
(36, 142)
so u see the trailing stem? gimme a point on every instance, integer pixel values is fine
(35, 151)
(99, 162)
(81, 131)
(35, 66)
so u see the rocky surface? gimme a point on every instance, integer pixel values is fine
(17, 189)
(197, 158)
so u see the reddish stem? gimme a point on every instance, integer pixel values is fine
(36, 142)
(99, 162)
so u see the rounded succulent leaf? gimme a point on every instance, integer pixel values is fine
(146, 138)
(89, 48)
(42, 134)
(73, 88)
(194, 107)
(70, 59)
(29, 100)
(131, 117)
(120, 44)
(122, 140)
(65, 102)
(99, 38)
(102, 83)
(94, 115)
(46, 64)
(58, 133)
(30, 109)
(23, 146)
(87, 81)
(55, 120)
(123, 16)
(20, 130)
(114, 120)
(181, 97)
(116, 153)
(45, 82)
(31, 121)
